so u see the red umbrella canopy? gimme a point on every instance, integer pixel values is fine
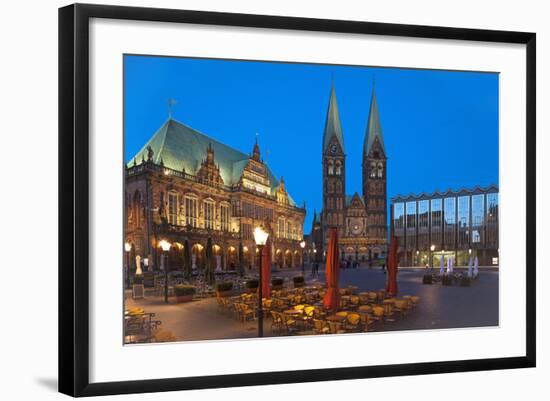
(332, 271)
(266, 269)
(391, 287)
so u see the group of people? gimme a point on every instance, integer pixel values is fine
(344, 264)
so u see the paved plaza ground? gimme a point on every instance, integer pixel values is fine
(440, 306)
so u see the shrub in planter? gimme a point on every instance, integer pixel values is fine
(184, 293)
(224, 288)
(427, 279)
(299, 281)
(277, 283)
(465, 281)
(447, 280)
(252, 285)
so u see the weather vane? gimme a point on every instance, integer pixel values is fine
(171, 103)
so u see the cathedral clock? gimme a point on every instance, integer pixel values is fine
(356, 226)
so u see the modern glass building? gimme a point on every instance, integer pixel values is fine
(447, 224)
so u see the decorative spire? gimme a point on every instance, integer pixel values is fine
(374, 129)
(333, 127)
(256, 150)
(282, 184)
(210, 154)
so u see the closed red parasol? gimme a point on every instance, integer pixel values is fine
(266, 269)
(332, 271)
(391, 287)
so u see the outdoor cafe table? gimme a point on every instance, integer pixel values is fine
(336, 318)
(365, 308)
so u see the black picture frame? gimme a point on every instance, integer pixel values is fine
(74, 198)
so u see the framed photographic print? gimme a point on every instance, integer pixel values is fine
(250, 199)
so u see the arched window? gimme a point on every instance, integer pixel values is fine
(338, 187)
(330, 167)
(372, 170)
(338, 167)
(380, 170)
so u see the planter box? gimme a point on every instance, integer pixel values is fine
(465, 282)
(138, 291)
(183, 298)
(224, 294)
(427, 279)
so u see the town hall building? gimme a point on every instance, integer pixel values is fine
(188, 188)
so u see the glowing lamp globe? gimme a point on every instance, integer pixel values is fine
(260, 236)
(165, 245)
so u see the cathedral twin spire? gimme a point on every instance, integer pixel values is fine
(333, 125)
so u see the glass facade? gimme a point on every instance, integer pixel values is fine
(447, 225)
(478, 221)
(464, 222)
(411, 225)
(492, 220)
(436, 221)
(449, 206)
(423, 236)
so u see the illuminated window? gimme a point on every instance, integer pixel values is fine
(281, 228)
(172, 208)
(209, 215)
(191, 211)
(224, 218)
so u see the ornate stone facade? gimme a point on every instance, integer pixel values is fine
(184, 195)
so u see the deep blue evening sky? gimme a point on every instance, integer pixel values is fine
(440, 128)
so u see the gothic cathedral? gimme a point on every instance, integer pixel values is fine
(361, 220)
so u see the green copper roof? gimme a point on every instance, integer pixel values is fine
(332, 123)
(374, 129)
(182, 147)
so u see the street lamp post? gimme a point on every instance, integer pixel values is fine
(127, 248)
(260, 237)
(165, 246)
(432, 249)
(303, 245)
(417, 257)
